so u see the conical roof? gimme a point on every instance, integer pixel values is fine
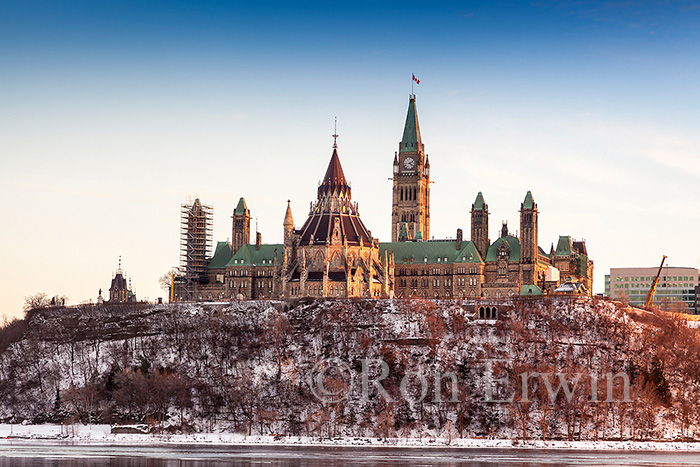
(334, 180)
(288, 220)
(411, 141)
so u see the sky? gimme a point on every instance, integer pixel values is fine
(113, 113)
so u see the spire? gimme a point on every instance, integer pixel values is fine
(528, 203)
(288, 220)
(403, 235)
(334, 180)
(411, 141)
(335, 134)
(241, 208)
(479, 202)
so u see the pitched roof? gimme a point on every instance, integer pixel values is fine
(118, 283)
(529, 203)
(196, 207)
(580, 247)
(563, 246)
(479, 202)
(431, 252)
(411, 140)
(403, 235)
(530, 290)
(334, 180)
(513, 244)
(222, 255)
(248, 255)
(241, 208)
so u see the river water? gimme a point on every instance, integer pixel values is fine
(65, 454)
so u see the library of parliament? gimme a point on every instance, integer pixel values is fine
(333, 254)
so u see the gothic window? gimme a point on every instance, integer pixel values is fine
(401, 194)
(414, 194)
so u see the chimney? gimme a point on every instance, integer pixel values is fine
(504, 229)
(458, 246)
(258, 240)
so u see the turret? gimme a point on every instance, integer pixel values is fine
(288, 225)
(240, 234)
(528, 230)
(480, 225)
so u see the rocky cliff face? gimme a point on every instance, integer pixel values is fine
(551, 367)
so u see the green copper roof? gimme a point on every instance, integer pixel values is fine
(542, 253)
(513, 244)
(563, 246)
(479, 202)
(432, 252)
(469, 254)
(403, 235)
(419, 235)
(530, 290)
(411, 141)
(222, 255)
(247, 255)
(241, 208)
(528, 203)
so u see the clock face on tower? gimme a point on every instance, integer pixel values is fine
(409, 163)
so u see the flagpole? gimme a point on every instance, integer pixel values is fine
(412, 75)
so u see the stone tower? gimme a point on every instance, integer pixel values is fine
(411, 190)
(528, 238)
(241, 226)
(480, 225)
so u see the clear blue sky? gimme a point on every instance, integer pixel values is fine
(113, 113)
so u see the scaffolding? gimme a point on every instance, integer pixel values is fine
(196, 241)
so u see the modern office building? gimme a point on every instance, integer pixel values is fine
(676, 284)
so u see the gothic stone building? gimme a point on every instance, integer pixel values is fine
(333, 254)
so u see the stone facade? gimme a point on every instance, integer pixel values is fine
(333, 254)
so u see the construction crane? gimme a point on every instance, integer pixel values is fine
(650, 297)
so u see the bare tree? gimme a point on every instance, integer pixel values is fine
(38, 300)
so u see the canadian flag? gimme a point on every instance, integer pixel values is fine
(415, 79)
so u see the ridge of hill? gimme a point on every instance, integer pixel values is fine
(554, 367)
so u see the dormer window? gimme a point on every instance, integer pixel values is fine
(503, 251)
